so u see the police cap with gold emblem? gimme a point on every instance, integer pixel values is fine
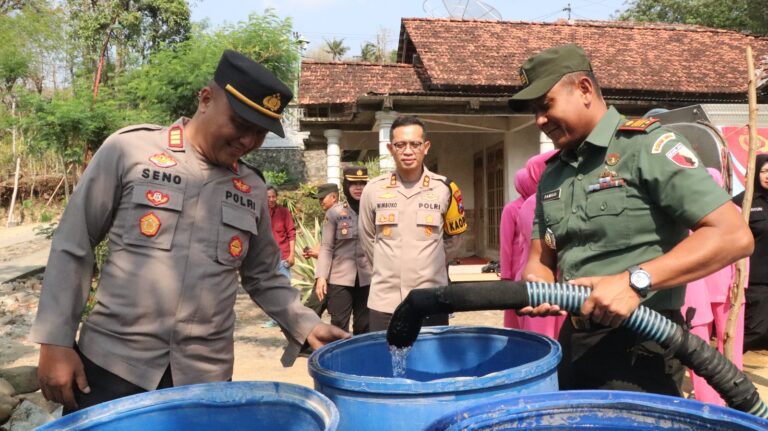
(355, 173)
(324, 190)
(542, 71)
(253, 91)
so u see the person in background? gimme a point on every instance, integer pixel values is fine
(283, 229)
(710, 298)
(756, 310)
(343, 272)
(411, 221)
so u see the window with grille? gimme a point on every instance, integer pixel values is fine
(494, 180)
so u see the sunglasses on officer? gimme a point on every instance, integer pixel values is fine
(401, 145)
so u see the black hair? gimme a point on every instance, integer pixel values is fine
(407, 120)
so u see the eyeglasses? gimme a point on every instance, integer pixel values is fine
(414, 145)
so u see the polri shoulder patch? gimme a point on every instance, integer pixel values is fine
(639, 125)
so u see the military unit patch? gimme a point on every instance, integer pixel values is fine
(386, 231)
(612, 159)
(682, 156)
(428, 230)
(430, 219)
(235, 246)
(149, 224)
(162, 160)
(241, 185)
(639, 125)
(659, 144)
(157, 198)
(549, 239)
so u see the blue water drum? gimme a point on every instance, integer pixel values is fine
(598, 411)
(448, 367)
(230, 406)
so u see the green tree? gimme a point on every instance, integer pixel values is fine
(166, 87)
(336, 48)
(739, 15)
(368, 52)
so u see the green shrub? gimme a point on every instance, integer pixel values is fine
(303, 271)
(276, 178)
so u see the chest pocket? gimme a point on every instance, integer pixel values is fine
(428, 223)
(237, 227)
(387, 222)
(153, 216)
(606, 228)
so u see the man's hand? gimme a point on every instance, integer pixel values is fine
(612, 299)
(321, 288)
(291, 260)
(58, 370)
(313, 252)
(543, 309)
(324, 333)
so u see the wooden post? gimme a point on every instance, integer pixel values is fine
(737, 290)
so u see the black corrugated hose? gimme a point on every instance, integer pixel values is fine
(730, 382)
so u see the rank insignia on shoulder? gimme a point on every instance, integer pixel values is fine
(683, 157)
(162, 160)
(425, 182)
(612, 159)
(659, 144)
(241, 185)
(149, 224)
(157, 198)
(175, 137)
(393, 180)
(235, 246)
(638, 125)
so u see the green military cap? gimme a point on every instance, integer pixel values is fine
(542, 71)
(324, 190)
(356, 173)
(254, 93)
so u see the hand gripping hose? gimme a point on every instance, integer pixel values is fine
(732, 384)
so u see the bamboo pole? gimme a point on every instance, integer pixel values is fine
(737, 290)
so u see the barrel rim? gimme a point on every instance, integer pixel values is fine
(370, 384)
(527, 406)
(200, 394)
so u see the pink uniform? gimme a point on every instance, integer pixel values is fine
(710, 297)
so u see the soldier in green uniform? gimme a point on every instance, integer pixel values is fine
(613, 213)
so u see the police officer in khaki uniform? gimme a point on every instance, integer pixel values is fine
(343, 272)
(185, 218)
(410, 221)
(613, 213)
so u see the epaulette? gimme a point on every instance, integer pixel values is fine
(639, 125)
(253, 168)
(137, 127)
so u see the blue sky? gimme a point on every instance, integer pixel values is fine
(357, 21)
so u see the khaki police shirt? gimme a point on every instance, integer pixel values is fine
(404, 235)
(341, 257)
(181, 231)
(623, 197)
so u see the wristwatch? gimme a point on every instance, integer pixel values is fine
(639, 280)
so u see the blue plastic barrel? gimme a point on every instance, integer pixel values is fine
(230, 406)
(449, 367)
(598, 411)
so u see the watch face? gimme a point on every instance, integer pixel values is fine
(640, 279)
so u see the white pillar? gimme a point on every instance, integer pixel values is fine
(383, 124)
(334, 155)
(545, 144)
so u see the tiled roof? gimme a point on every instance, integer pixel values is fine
(339, 82)
(470, 56)
(628, 56)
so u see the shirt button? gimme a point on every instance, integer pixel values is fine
(603, 206)
(580, 177)
(573, 210)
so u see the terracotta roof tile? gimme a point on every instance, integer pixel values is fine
(625, 55)
(472, 56)
(338, 82)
